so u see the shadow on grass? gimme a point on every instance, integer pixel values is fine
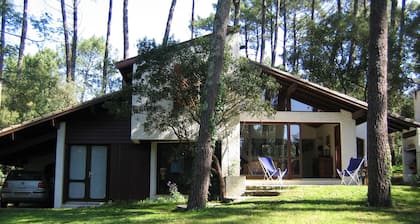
(346, 205)
(246, 211)
(80, 215)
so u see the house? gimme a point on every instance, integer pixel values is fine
(86, 150)
(411, 147)
(94, 155)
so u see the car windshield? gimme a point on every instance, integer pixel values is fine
(24, 175)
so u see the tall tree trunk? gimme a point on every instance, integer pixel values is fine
(106, 57)
(258, 42)
(237, 12)
(192, 18)
(276, 34)
(356, 7)
(66, 41)
(365, 8)
(246, 38)
(263, 22)
(379, 163)
(284, 35)
(168, 23)
(295, 51)
(125, 29)
(394, 4)
(74, 42)
(22, 37)
(336, 45)
(218, 171)
(401, 30)
(352, 44)
(339, 6)
(3, 45)
(312, 10)
(393, 62)
(203, 156)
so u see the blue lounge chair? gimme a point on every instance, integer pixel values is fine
(270, 171)
(351, 174)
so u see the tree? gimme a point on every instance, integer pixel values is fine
(89, 72)
(275, 33)
(192, 18)
(74, 41)
(203, 157)
(3, 44)
(66, 42)
(39, 90)
(263, 23)
(168, 23)
(23, 37)
(106, 54)
(125, 29)
(237, 12)
(379, 163)
(284, 35)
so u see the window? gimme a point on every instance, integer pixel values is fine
(299, 106)
(174, 165)
(360, 147)
(281, 142)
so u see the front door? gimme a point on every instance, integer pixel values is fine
(87, 173)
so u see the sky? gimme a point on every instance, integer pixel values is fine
(146, 18)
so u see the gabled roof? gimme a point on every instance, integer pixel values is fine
(313, 94)
(52, 117)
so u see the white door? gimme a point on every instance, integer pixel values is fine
(87, 172)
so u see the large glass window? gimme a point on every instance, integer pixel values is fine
(281, 142)
(299, 106)
(174, 165)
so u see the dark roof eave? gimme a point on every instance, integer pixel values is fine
(396, 122)
(126, 64)
(52, 116)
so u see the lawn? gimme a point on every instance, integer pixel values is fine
(315, 204)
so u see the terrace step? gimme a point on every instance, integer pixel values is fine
(264, 187)
(81, 204)
(262, 192)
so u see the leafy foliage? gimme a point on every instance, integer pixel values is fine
(326, 42)
(89, 70)
(38, 92)
(170, 80)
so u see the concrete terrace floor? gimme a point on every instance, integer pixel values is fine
(295, 182)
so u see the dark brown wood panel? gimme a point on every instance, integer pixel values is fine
(98, 128)
(129, 171)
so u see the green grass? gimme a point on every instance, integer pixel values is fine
(321, 204)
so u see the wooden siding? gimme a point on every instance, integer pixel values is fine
(98, 128)
(129, 163)
(129, 171)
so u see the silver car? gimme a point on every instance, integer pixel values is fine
(24, 186)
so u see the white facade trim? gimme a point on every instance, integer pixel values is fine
(153, 170)
(344, 118)
(231, 153)
(59, 165)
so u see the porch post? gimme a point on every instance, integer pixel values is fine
(59, 165)
(153, 170)
(231, 152)
(348, 138)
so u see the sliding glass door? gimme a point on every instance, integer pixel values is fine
(281, 142)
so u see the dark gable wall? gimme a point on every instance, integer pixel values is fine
(129, 163)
